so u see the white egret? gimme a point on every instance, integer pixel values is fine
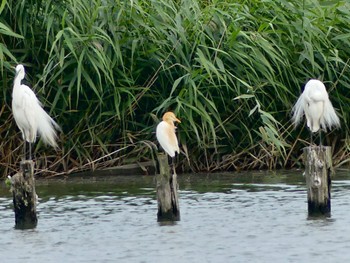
(316, 106)
(29, 114)
(166, 135)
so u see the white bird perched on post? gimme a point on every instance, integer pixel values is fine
(318, 109)
(166, 135)
(29, 114)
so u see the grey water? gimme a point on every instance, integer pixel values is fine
(239, 217)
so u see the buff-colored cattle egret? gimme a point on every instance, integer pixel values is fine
(29, 115)
(166, 135)
(318, 109)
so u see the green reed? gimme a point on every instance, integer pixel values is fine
(231, 71)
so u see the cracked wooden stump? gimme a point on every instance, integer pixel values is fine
(167, 192)
(318, 171)
(24, 196)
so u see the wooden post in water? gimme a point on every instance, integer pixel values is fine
(167, 192)
(318, 170)
(24, 196)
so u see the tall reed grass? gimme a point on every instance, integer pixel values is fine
(231, 70)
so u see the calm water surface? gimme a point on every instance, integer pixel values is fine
(247, 217)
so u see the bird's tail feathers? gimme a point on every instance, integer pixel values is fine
(298, 111)
(330, 118)
(47, 128)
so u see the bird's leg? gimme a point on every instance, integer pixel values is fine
(30, 150)
(24, 150)
(311, 138)
(171, 162)
(173, 165)
(320, 133)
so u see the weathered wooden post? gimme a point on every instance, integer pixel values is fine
(318, 171)
(167, 192)
(24, 196)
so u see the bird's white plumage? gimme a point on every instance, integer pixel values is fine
(315, 104)
(28, 113)
(167, 139)
(166, 135)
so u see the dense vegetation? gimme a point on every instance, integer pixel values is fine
(107, 70)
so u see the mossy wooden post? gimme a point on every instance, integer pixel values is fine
(318, 170)
(24, 196)
(167, 192)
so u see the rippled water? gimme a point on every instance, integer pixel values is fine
(249, 217)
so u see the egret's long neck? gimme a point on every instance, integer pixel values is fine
(171, 123)
(17, 82)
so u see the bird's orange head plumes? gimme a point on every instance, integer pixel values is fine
(170, 117)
